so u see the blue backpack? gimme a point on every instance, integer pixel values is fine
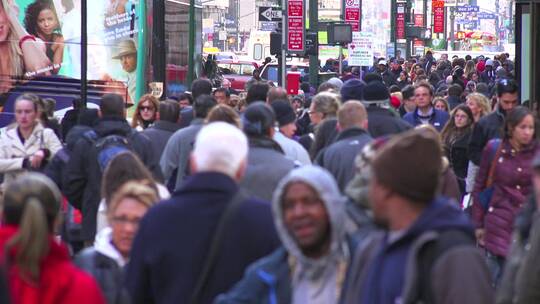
(109, 146)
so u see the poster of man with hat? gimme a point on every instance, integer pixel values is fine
(126, 52)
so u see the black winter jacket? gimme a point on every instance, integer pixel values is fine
(382, 122)
(457, 155)
(489, 127)
(83, 177)
(107, 273)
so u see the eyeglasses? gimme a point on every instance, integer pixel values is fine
(123, 221)
(143, 108)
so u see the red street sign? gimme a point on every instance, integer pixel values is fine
(352, 14)
(438, 16)
(295, 22)
(400, 21)
(418, 19)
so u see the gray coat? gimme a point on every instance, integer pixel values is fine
(339, 157)
(267, 165)
(177, 151)
(158, 134)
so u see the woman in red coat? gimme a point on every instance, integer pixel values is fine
(511, 180)
(39, 269)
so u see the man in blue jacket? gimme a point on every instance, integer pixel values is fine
(311, 267)
(171, 248)
(427, 253)
(425, 113)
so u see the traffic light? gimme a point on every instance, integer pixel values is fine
(312, 43)
(275, 43)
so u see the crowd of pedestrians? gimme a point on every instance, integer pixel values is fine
(412, 181)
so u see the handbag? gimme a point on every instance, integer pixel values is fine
(486, 195)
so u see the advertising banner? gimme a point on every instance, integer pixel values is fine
(438, 16)
(45, 41)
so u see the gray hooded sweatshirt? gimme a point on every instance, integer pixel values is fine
(315, 280)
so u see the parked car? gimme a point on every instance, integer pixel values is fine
(238, 72)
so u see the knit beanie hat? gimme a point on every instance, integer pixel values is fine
(376, 92)
(395, 102)
(489, 62)
(284, 112)
(352, 89)
(410, 165)
(336, 82)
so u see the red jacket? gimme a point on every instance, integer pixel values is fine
(59, 282)
(512, 184)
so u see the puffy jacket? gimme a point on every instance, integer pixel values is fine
(13, 151)
(512, 185)
(437, 119)
(60, 282)
(520, 277)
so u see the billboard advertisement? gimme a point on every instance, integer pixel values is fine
(43, 39)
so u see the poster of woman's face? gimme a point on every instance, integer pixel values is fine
(57, 25)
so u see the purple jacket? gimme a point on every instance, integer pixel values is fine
(512, 184)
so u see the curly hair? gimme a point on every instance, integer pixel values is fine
(32, 13)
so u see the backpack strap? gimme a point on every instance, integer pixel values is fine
(91, 136)
(219, 233)
(494, 153)
(429, 254)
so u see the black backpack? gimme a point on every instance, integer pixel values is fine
(109, 146)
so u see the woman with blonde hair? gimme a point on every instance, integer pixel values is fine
(39, 269)
(106, 260)
(479, 105)
(146, 112)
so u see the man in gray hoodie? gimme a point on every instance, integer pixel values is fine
(312, 264)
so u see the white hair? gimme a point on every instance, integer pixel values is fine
(220, 147)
